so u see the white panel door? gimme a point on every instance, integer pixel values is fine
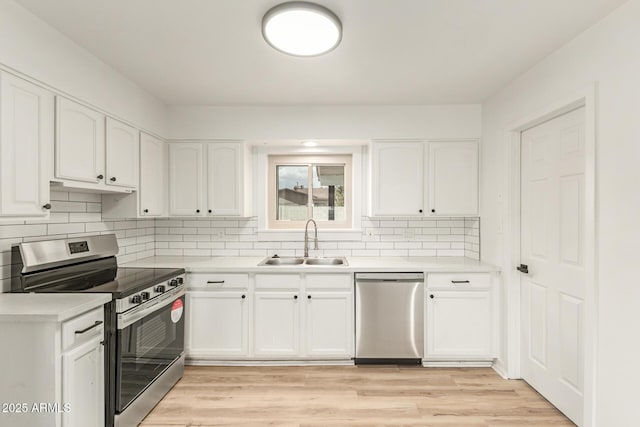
(552, 186)
(329, 324)
(453, 178)
(83, 385)
(217, 324)
(224, 178)
(122, 154)
(459, 325)
(152, 176)
(276, 324)
(397, 178)
(26, 147)
(79, 142)
(186, 179)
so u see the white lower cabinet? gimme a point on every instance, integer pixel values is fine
(55, 369)
(217, 324)
(269, 317)
(329, 324)
(276, 324)
(83, 384)
(460, 320)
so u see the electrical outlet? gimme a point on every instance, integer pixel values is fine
(370, 237)
(217, 235)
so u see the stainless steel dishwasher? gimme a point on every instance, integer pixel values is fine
(389, 317)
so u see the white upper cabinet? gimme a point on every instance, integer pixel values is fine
(453, 178)
(186, 179)
(79, 144)
(26, 147)
(397, 178)
(153, 180)
(207, 179)
(122, 154)
(436, 178)
(224, 178)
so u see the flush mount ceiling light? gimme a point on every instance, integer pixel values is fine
(310, 144)
(301, 28)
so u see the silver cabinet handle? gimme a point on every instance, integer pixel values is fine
(97, 323)
(459, 281)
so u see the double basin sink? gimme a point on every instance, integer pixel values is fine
(293, 261)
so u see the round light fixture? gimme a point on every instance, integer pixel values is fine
(310, 144)
(301, 29)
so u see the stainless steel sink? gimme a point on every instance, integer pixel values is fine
(282, 261)
(331, 261)
(326, 261)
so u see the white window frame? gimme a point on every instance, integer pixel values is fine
(309, 160)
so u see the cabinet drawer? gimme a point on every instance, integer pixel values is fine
(448, 281)
(214, 281)
(278, 281)
(82, 328)
(329, 281)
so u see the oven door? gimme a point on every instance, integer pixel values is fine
(149, 339)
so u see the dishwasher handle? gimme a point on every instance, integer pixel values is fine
(389, 277)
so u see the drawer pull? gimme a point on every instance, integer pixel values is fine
(88, 328)
(215, 282)
(459, 281)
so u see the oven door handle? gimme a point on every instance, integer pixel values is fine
(132, 316)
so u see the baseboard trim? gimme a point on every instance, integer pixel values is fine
(500, 369)
(211, 362)
(457, 364)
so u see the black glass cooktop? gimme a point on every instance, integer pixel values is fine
(102, 276)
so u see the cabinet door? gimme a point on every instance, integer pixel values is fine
(217, 324)
(186, 179)
(453, 178)
(459, 325)
(79, 142)
(152, 176)
(122, 154)
(276, 324)
(83, 385)
(329, 324)
(224, 178)
(397, 178)
(26, 147)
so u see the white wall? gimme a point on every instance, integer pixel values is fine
(325, 122)
(609, 54)
(34, 48)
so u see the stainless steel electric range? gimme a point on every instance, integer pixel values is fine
(144, 322)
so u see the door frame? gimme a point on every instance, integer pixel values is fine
(512, 138)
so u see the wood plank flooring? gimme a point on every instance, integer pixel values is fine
(371, 396)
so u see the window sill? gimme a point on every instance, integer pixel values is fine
(298, 235)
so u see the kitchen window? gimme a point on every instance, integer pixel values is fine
(303, 187)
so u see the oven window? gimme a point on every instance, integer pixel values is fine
(145, 349)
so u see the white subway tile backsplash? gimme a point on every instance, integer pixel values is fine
(8, 231)
(65, 228)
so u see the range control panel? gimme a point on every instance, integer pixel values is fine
(148, 294)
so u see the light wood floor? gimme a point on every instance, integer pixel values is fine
(351, 396)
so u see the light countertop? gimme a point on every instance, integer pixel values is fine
(196, 264)
(34, 307)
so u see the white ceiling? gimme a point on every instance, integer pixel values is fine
(393, 51)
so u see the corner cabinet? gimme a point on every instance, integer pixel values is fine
(424, 178)
(26, 147)
(151, 198)
(208, 179)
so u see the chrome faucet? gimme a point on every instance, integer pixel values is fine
(306, 237)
